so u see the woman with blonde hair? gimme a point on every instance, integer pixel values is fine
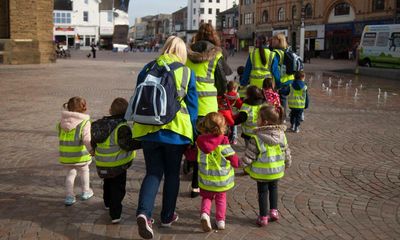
(163, 146)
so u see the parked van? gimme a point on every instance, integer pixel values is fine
(380, 46)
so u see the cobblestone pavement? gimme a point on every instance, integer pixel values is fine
(344, 182)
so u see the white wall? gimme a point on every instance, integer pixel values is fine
(222, 6)
(106, 23)
(89, 29)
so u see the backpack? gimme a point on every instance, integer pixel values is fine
(291, 63)
(155, 101)
(102, 128)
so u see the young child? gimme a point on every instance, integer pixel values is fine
(74, 147)
(236, 103)
(248, 113)
(216, 176)
(297, 100)
(114, 153)
(242, 89)
(270, 95)
(266, 158)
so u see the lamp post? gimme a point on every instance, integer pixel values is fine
(302, 31)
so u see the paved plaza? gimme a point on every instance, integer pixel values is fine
(344, 182)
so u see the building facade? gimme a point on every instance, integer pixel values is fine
(227, 25)
(179, 23)
(76, 23)
(247, 23)
(25, 32)
(332, 27)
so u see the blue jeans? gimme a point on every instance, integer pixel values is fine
(161, 159)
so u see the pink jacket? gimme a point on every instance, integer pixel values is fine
(69, 121)
(208, 143)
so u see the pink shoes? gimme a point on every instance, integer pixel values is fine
(273, 215)
(262, 221)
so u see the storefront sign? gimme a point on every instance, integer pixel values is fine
(64, 29)
(230, 31)
(311, 34)
(284, 31)
(106, 30)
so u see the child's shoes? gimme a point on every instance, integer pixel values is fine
(273, 215)
(69, 200)
(262, 221)
(205, 222)
(221, 225)
(86, 195)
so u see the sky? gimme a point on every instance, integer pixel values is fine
(141, 8)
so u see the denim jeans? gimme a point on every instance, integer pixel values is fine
(161, 159)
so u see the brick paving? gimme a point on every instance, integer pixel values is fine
(344, 182)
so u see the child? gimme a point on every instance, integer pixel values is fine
(266, 158)
(242, 89)
(270, 95)
(236, 103)
(216, 176)
(113, 144)
(297, 100)
(75, 149)
(248, 113)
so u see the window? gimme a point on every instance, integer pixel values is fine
(210, 1)
(62, 17)
(378, 5)
(217, 1)
(264, 17)
(210, 11)
(109, 16)
(86, 1)
(308, 11)
(201, 10)
(241, 19)
(194, 1)
(342, 9)
(281, 14)
(248, 18)
(194, 22)
(209, 21)
(86, 16)
(201, 0)
(383, 39)
(294, 12)
(369, 39)
(247, 2)
(194, 11)
(201, 21)
(217, 10)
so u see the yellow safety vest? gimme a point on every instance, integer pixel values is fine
(285, 78)
(215, 171)
(109, 154)
(71, 147)
(181, 123)
(205, 84)
(297, 98)
(242, 91)
(252, 116)
(270, 162)
(259, 71)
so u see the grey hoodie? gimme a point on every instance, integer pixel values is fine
(270, 135)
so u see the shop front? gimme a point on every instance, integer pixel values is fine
(64, 36)
(315, 39)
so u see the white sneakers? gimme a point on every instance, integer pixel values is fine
(205, 222)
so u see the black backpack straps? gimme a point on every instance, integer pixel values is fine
(175, 65)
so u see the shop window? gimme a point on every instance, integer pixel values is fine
(378, 5)
(281, 14)
(342, 9)
(294, 12)
(308, 11)
(264, 18)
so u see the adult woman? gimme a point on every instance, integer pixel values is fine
(260, 64)
(163, 146)
(280, 45)
(205, 58)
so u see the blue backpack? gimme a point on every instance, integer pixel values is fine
(291, 62)
(155, 101)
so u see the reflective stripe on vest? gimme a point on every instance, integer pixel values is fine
(181, 124)
(205, 84)
(109, 153)
(252, 116)
(285, 78)
(71, 147)
(270, 163)
(215, 171)
(297, 98)
(259, 71)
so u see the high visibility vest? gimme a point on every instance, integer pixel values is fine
(252, 116)
(205, 84)
(242, 92)
(297, 98)
(71, 147)
(109, 154)
(259, 71)
(215, 171)
(270, 162)
(285, 78)
(181, 124)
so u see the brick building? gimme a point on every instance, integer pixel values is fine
(227, 25)
(179, 23)
(247, 23)
(26, 32)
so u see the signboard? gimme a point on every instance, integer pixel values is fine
(64, 29)
(283, 31)
(106, 30)
(311, 34)
(319, 44)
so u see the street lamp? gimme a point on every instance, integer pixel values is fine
(302, 31)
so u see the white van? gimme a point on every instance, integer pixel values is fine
(380, 46)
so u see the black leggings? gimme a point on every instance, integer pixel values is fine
(263, 188)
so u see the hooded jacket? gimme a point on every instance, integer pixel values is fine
(270, 135)
(209, 142)
(70, 120)
(297, 85)
(202, 51)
